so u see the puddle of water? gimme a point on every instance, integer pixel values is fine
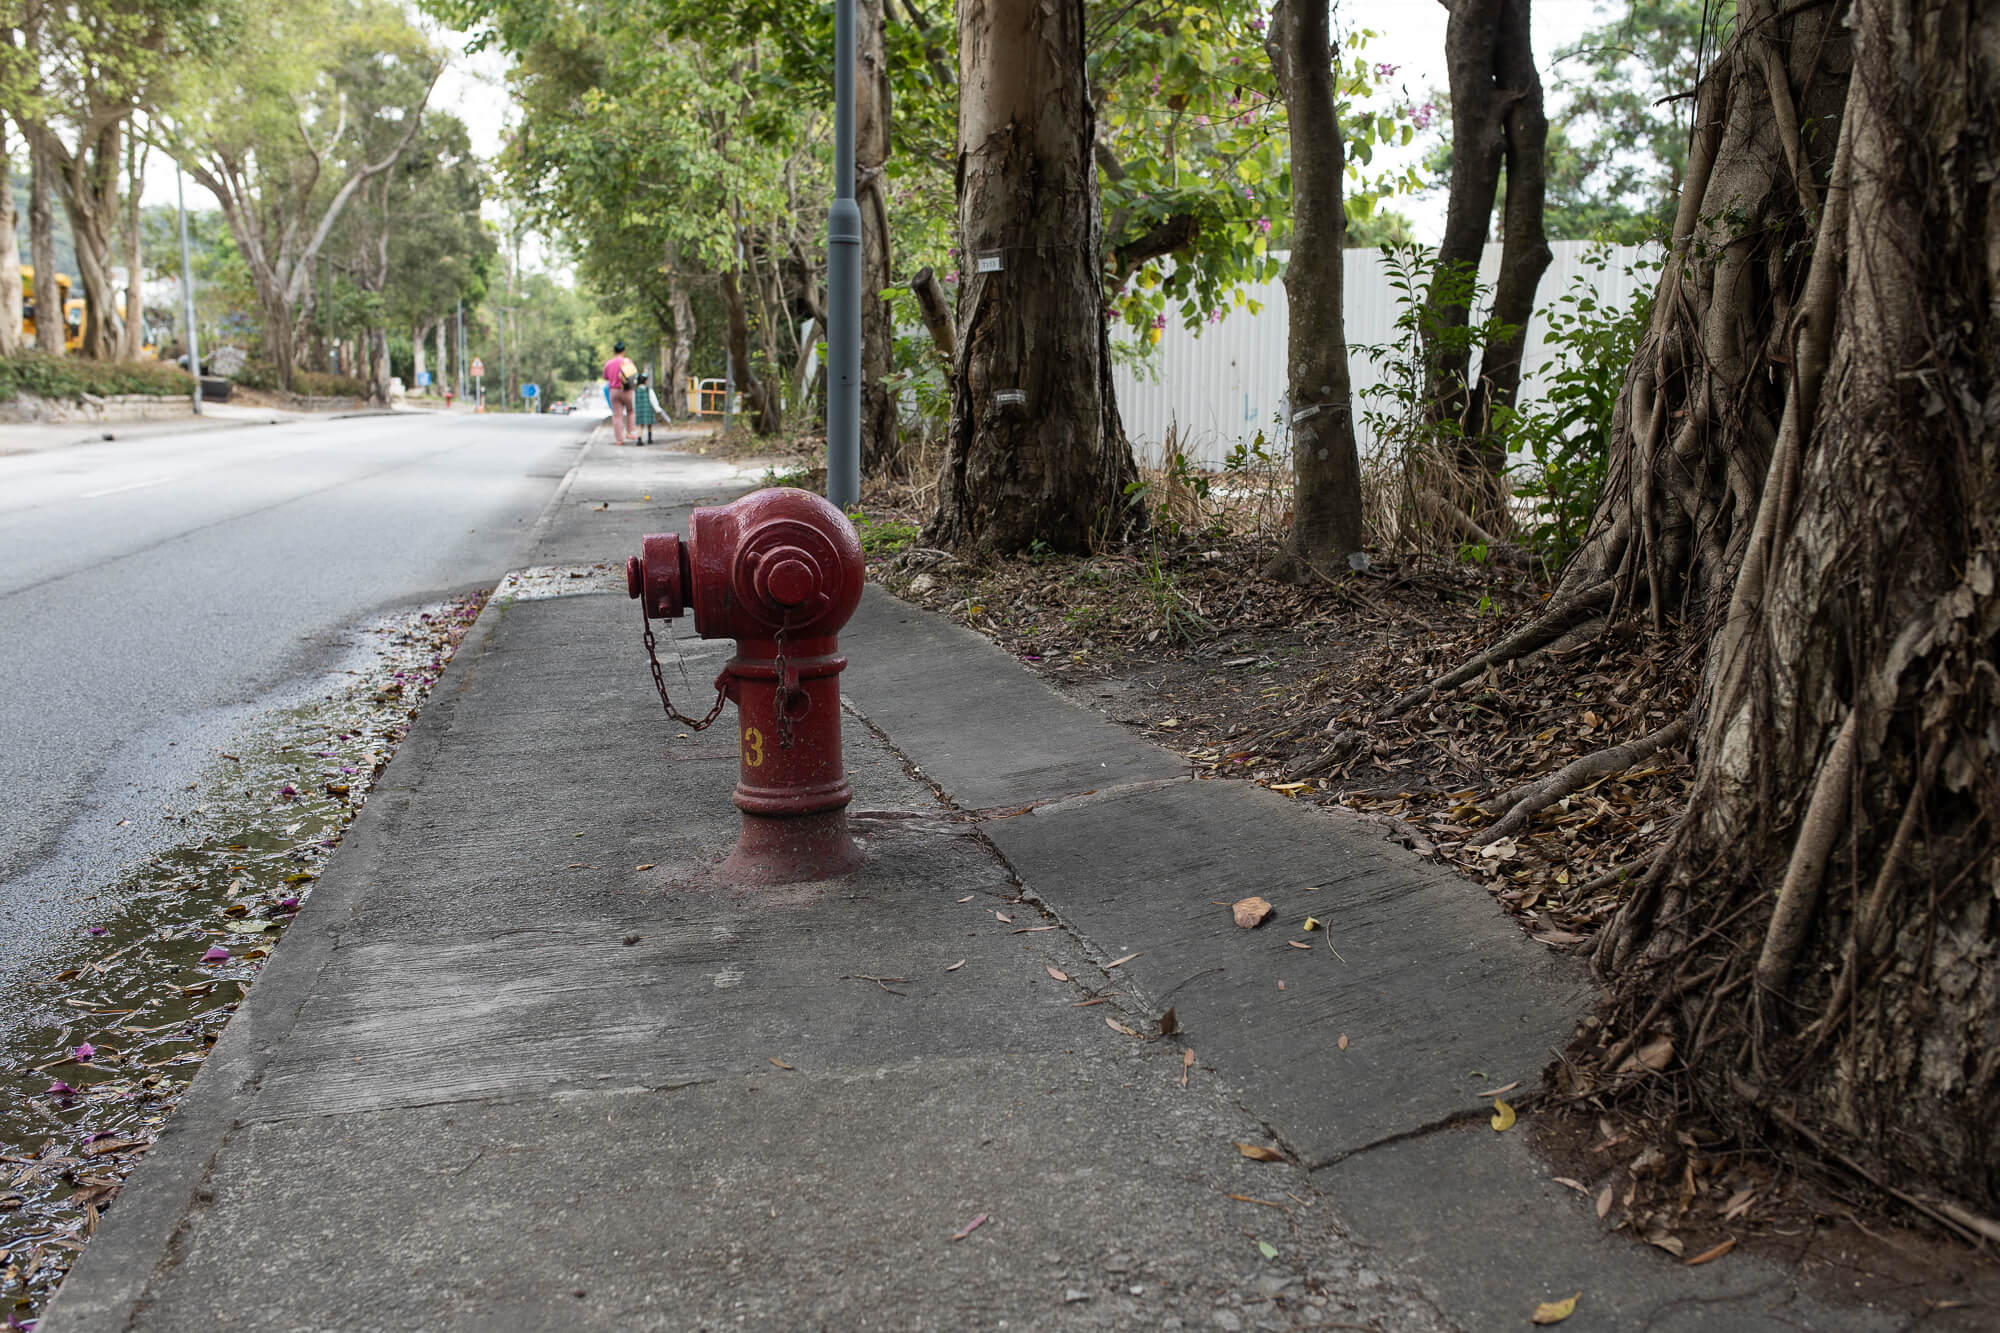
(120, 1022)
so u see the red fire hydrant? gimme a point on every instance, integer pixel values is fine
(780, 572)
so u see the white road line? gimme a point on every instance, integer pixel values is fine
(128, 486)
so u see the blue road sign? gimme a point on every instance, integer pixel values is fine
(423, 379)
(529, 390)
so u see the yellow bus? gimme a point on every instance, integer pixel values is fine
(71, 306)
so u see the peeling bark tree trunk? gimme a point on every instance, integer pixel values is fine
(42, 249)
(1821, 939)
(1497, 121)
(10, 249)
(681, 355)
(134, 342)
(756, 394)
(88, 186)
(881, 444)
(1326, 503)
(1037, 450)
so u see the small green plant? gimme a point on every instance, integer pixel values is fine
(1563, 442)
(791, 476)
(883, 536)
(1180, 620)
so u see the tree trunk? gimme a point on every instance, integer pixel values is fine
(680, 358)
(418, 333)
(1037, 450)
(1833, 886)
(881, 445)
(134, 343)
(42, 248)
(768, 420)
(10, 250)
(443, 381)
(1497, 121)
(1326, 497)
(87, 183)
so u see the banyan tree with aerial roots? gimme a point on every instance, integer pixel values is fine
(1805, 480)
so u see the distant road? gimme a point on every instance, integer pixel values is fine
(158, 594)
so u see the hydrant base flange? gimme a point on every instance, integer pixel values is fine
(791, 849)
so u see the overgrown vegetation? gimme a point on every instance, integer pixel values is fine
(48, 376)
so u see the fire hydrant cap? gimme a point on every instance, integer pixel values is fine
(790, 580)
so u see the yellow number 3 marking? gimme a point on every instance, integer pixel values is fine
(753, 747)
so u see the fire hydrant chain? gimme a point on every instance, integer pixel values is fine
(660, 683)
(786, 690)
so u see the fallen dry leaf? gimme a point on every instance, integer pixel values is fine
(1656, 1053)
(1257, 1152)
(1120, 962)
(1117, 1026)
(103, 1146)
(1002, 916)
(969, 1227)
(1604, 1202)
(1499, 1092)
(966, 899)
(1187, 1063)
(1554, 1312)
(1713, 1252)
(647, 866)
(1299, 944)
(955, 966)
(1342, 1043)
(1576, 1185)
(1312, 923)
(1739, 1203)
(776, 1061)
(1672, 1244)
(1170, 1023)
(1503, 1116)
(1250, 912)
(1055, 972)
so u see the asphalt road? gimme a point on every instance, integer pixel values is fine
(159, 595)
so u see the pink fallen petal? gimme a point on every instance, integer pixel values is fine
(970, 1227)
(288, 904)
(84, 1054)
(99, 930)
(216, 954)
(61, 1089)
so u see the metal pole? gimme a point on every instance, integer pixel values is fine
(843, 282)
(187, 290)
(461, 349)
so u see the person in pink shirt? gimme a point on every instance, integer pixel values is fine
(620, 374)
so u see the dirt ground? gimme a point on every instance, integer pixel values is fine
(1298, 690)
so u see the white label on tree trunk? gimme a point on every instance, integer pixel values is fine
(990, 262)
(1303, 413)
(1011, 397)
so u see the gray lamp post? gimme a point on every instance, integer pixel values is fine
(843, 281)
(187, 290)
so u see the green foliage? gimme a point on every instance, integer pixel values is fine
(72, 376)
(1397, 410)
(883, 536)
(1564, 439)
(1618, 149)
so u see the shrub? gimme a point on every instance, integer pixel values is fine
(1566, 436)
(320, 384)
(73, 376)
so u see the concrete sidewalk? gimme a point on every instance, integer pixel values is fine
(521, 1063)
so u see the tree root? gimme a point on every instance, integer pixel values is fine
(1541, 631)
(1825, 819)
(1525, 800)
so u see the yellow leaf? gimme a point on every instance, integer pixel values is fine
(1289, 787)
(1503, 1115)
(776, 1061)
(1554, 1312)
(1257, 1152)
(1312, 923)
